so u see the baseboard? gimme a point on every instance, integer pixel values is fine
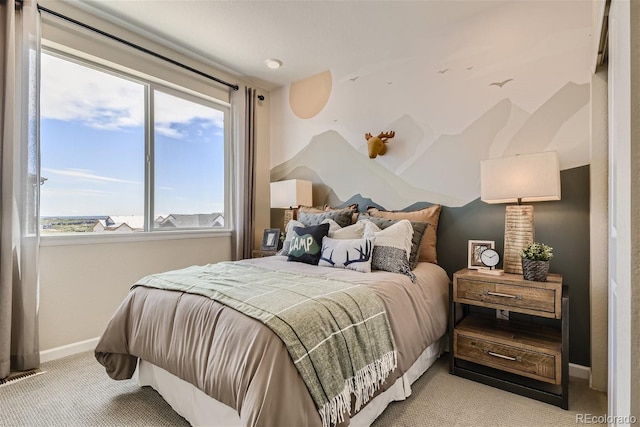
(68, 350)
(579, 371)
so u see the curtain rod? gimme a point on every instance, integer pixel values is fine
(135, 46)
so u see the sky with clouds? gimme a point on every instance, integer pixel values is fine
(93, 146)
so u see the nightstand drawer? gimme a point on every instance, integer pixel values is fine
(503, 346)
(541, 301)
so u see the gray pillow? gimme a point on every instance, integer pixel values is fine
(342, 217)
(419, 229)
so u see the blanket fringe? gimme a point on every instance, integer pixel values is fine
(362, 385)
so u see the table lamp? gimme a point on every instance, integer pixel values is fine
(517, 179)
(289, 195)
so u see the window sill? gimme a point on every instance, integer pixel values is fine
(102, 238)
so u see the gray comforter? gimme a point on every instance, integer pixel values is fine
(240, 361)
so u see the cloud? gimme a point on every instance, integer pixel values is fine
(83, 174)
(73, 92)
(166, 130)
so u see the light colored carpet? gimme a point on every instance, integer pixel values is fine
(75, 391)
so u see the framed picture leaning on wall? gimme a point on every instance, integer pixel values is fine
(270, 239)
(476, 247)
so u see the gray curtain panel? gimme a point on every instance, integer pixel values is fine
(250, 172)
(19, 186)
(244, 174)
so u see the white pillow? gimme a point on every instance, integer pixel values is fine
(352, 254)
(353, 231)
(397, 235)
(393, 247)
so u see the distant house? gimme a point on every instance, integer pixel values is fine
(131, 223)
(190, 221)
(120, 224)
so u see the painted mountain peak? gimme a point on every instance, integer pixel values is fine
(342, 168)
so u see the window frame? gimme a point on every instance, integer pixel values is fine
(150, 85)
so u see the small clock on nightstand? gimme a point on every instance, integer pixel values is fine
(490, 258)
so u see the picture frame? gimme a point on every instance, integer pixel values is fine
(475, 249)
(270, 239)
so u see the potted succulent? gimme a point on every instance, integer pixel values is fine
(535, 261)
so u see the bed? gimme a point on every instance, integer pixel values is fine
(217, 366)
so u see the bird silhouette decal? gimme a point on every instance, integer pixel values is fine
(500, 84)
(354, 79)
(443, 71)
(470, 68)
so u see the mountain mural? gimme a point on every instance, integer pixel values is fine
(451, 164)
(338, 165)
(543, 124)
(402, 149)
(445, 170)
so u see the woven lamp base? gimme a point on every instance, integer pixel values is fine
(289, 214)
(518, 233)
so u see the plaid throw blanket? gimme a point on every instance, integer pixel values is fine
(337, 333)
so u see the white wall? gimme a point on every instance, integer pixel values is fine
(624, 200)
(599, 213)
(82, 285)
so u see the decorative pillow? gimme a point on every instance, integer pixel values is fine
(288, 236)
(333, 226)
(306, 243)
(392, 247)
(353, 231)
(352, 254)
(342, 217)
(430, 215)
(326, 208)
(309, 209)
(419, 229)
(352, 207)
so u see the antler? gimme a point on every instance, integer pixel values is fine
(367, 136)
(364, 254)
(387, 135)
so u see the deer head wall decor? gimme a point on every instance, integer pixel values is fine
(377, 144)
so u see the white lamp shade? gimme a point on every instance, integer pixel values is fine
(528, 177)
(291, 193)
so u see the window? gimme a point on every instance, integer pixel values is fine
(120, 154)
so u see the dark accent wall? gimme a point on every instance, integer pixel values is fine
(564, 225)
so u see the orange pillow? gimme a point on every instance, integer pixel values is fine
(431, 215)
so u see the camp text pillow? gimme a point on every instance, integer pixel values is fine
(306, 243)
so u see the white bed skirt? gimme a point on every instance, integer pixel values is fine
(202, 410)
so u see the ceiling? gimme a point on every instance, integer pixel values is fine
(307, 36)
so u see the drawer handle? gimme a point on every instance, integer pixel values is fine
(498, 294)
(502, 356)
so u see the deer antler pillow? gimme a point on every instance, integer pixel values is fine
(352, 254)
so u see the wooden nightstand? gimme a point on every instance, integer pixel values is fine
(258, 253)
(518, 355)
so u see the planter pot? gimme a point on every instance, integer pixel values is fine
(535, 270)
